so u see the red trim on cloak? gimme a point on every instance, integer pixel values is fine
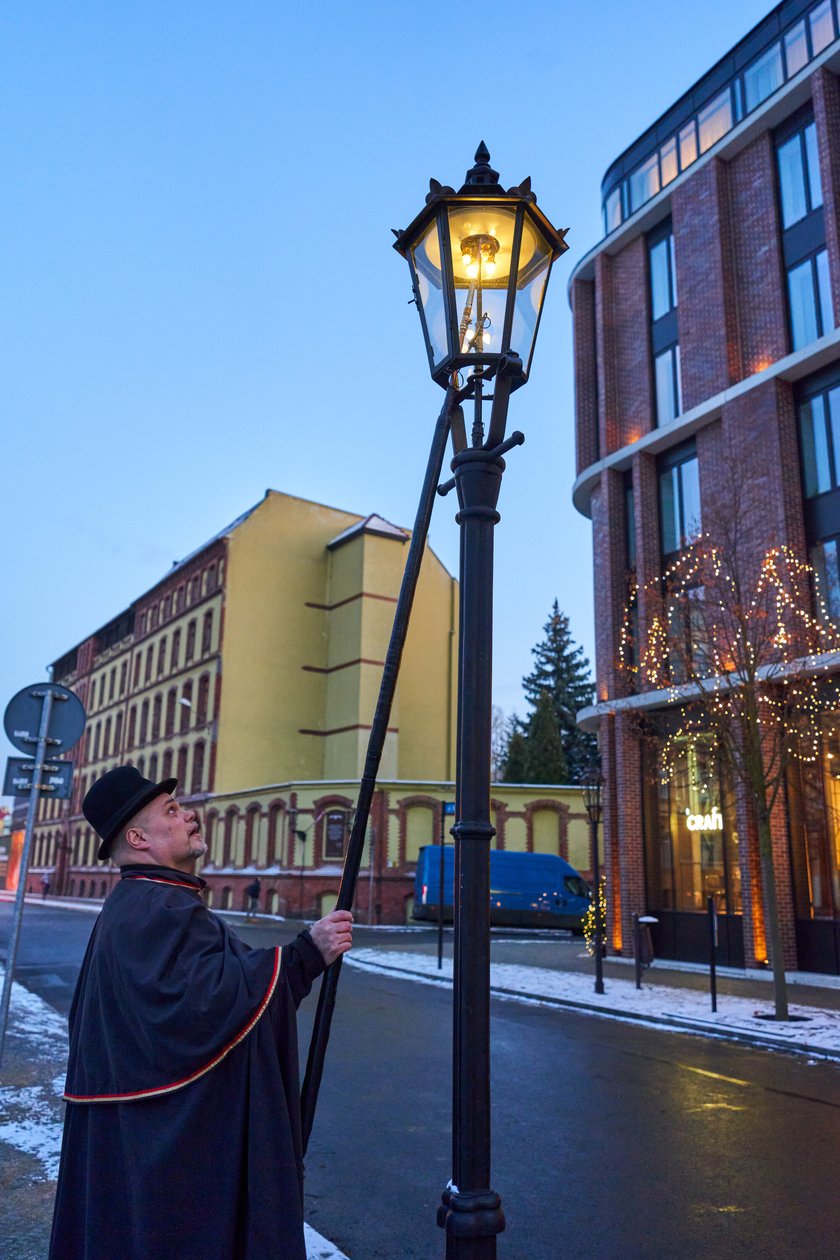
(155, 1091)
(154, 879)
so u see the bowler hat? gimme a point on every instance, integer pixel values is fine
(114, 799)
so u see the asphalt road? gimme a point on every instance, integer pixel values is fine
(610, 1141)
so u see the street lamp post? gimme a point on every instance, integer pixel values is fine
(480, 261)
(593, 799)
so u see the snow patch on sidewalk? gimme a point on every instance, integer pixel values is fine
(735, 1016)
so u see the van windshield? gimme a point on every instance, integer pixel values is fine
(576, 886)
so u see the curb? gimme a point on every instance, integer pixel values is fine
(676, 1022)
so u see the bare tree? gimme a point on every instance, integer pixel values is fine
(744, 643)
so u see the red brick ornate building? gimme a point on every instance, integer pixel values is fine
(706, 322)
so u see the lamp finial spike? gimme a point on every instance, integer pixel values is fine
(482, 174)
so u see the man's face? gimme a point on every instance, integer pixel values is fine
(172, 835)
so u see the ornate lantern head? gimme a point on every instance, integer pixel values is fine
(480, 261)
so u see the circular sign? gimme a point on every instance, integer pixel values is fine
(22, 719)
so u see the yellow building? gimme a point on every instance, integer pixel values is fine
(250, 672)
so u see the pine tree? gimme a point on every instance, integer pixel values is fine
(516, 761)
(545, 761)
(561, 669)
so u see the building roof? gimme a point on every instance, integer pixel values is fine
(372, 524)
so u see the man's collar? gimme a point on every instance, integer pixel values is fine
(140, 870)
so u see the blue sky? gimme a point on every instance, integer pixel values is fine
(200, 299)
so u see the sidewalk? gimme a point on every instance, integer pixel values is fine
(31, 1119)
(672, 997)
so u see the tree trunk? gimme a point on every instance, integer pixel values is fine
(771, 915)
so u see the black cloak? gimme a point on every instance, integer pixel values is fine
(182, 1131)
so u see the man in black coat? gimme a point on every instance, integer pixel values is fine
(182, 1136)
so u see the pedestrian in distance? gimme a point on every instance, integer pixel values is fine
(182, 1131)
(253, 893)
(45, 885)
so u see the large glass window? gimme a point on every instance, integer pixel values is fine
(825, 561)
(664, 329)
(796, 48)
(644, 182)
(800, 186)
(763, 77)
(821, 22)
(819, 435)
(666, 375)
(809, 300)
(694, 854)
(680, 517)
(715, 120)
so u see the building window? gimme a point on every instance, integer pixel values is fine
(203, 697)
(207, 632)
(824, 558)
(171, 699)
(156, 712)
(629, 523)
(763, 77)
(692, 850)
(190, 652)
(197, 768)
(153, 767)
(149, 657)
(123, 677)
(810, 312)
(166, 771)
(176, 651)
(144, 721)
(186, 705)
(644, 182)
(715, 120)
(118, 725)
(106, 742)
(161, 657)
(821, 23)
(132, 725)
(182, 766)
(680, 519)
(96, 734)
(800, 186)
(335, 833)
(167, 607)
(112, 683)
(137, 670)
(819, 436)
(664, 331)
(809, 300)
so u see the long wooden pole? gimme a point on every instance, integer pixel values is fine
(376, 742)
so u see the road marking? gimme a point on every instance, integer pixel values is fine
(320, 1248)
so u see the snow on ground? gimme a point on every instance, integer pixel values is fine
(735, 1016)
(31, 1111)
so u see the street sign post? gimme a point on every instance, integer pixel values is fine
(42, 721)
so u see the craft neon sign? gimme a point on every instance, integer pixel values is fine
(705, 822)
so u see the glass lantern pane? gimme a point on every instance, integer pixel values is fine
(534, 263)
(481, 240)
(426, 258)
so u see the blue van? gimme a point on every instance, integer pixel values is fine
(526, 889)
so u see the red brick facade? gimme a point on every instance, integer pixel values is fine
(739, 400)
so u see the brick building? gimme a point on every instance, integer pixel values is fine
(706, 333)
(250, 673)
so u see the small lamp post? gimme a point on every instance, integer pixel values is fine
(593, 799)
(480, 261)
